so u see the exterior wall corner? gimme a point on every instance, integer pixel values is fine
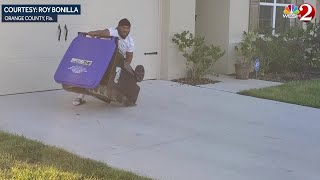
(175, 18)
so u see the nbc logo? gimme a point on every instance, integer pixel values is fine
(291, 11)
(305, 12)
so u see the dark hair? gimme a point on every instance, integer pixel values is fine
(124, 22)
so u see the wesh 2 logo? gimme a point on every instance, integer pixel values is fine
(305, 12)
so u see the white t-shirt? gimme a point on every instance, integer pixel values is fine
(125, 45)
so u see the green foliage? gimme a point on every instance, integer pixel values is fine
(21, 159)
(201, 57)
(296, 50)
(14, 169)
(311, 37)
(304, 93)
(246, 49)
(273, 54)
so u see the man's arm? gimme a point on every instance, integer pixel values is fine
(129, 53)
(129, 57)
(99, 33)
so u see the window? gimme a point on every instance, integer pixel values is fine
(271, 16)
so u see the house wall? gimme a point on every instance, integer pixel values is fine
(238, 22)
(32, 68)
(175, 19)
(213, 23)
(222, 23)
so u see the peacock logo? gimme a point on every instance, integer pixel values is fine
(291, 11)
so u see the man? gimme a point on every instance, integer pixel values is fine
(126, 45)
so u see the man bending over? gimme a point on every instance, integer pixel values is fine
(126, 45)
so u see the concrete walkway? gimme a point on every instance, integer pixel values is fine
(230, 84)
(177, 132)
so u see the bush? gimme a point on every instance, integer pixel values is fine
(277, 54)
(271, 52)
(246, 48)
(312, 38)
(296, 50)
(201, 57)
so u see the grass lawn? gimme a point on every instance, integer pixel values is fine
(23, 159)
(306, 93)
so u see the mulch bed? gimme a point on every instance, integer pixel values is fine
(197, 82)
(286, 77)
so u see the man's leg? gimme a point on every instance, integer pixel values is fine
(79, 100)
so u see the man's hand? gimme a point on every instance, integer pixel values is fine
(92, 34)
(99, 34)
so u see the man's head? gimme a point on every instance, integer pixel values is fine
(124, 28)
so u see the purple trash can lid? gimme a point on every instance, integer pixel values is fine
(85, 62)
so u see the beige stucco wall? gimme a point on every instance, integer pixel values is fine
(174, 19)
(222, 23)
(238, 22)
(213, 23)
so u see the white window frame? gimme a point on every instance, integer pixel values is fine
(274, 5)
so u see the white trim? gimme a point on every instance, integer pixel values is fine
(274, 14)
(159, 38)
(273, 4)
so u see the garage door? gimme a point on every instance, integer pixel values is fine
(29, 56)
(144, 16)
(30, 53)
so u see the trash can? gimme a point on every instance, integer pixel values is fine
(95, 67)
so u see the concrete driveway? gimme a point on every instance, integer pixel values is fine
(177, 132)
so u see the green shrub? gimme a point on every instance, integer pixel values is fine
(201, 57)
(271, 52)
(312, 41)
(246, 49)
(296, 50)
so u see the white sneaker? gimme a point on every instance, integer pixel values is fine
(78, 102)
